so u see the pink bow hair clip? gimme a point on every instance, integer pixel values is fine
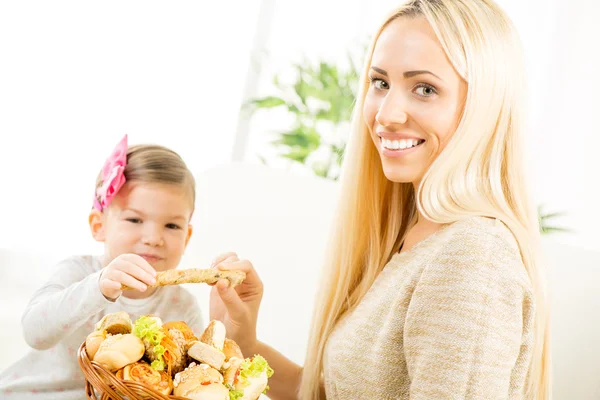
(113, 176)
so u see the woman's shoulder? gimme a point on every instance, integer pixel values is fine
(481, 233)
(482, 245)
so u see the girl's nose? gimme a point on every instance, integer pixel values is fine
(153, 236)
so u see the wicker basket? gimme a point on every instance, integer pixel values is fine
(102, 382)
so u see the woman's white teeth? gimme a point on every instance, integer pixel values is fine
(400, 144)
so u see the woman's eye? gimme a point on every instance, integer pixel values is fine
(379, 84)
(425, 90)
(134, 220)
(173, 226)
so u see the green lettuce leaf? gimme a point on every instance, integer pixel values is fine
(149, 330)
(234, 394)
(253, 368)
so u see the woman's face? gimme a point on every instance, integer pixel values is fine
(415, 99)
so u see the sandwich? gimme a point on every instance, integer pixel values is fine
(142, 372)
(200, 382)
(115, 323)
(246, 379)
(165, 348)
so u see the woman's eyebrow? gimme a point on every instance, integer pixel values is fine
(407, 74)
(410, 74)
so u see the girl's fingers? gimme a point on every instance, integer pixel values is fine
(128, 280)
(140, 262)
(137, 272)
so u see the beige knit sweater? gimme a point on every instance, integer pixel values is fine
(452, 318)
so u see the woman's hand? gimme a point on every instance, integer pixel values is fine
(127, 269)
(237, 308)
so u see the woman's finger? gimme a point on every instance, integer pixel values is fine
(242, 265)
(222, 257)
(231, 300)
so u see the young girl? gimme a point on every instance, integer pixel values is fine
(142, 208)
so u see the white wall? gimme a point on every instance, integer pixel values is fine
(76, 75)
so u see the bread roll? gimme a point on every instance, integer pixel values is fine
(230, 369)
(231, 349)
(117, 351)
(255, 387)
(206, 354)
(214, 334)
(93, 341)
(183, 328)
(142, 372)
(179, 352)
(115, 323)
(212, 391)
(200, 382)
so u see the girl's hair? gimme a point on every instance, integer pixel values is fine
(479, 173)
(151, 163)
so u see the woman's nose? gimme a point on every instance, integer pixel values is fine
(392, 110)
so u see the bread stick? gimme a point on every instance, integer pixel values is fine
(195, 275)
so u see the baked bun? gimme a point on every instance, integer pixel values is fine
(143, 373)
(183, 328)
(230, 370)
(117, 351)
(200, 382)
(93, 341)
(115, 323)
(231, 349)
(177, 353)
(253, 387)
(206, 354)
(214, 334)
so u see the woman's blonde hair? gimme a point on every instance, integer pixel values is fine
(151, 163)
(480, 172)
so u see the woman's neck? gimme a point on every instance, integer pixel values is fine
(421, 230)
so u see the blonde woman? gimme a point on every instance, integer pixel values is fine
(432, 288)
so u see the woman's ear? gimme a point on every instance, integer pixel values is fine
(189, 234)
(96, 221)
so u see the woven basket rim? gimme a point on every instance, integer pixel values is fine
(96, 376)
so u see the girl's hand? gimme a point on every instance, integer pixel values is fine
(127, 269)
(237, 308)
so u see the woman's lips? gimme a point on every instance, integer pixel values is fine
(399, 148)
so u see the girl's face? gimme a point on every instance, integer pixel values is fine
(150, 220)
(415, 99)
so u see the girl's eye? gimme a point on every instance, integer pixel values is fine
(379, 84)
(173, 226)
(425, 90)
(134, 220)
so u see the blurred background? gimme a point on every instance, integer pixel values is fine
(76, 76)
(256, 96)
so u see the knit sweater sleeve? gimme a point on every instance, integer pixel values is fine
(63, 303)
(469, 318)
